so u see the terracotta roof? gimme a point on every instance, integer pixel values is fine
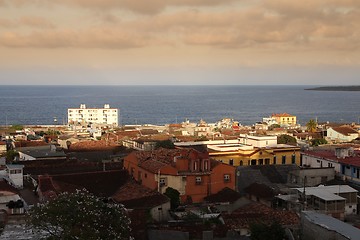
(134, 195)
(255, 213)
(155, 160)
(281, 115)
(4, 186)
(93, 146)
(330, 155)
(225, 195)
(345, 130)
(102, 184)
(23, 143)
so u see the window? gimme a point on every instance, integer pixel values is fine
(261, 161)
(226, 177)
(283, 159)
(231, 162)
(253, 162)
(162, 182)
(206, 165)
(267, 161)
(241, 163)
(274, 160)
(198, 180)
(293, 159)
(195, 166)
(16, 171)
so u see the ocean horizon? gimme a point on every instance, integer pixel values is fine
(163, 104)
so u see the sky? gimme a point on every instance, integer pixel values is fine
(179, 42)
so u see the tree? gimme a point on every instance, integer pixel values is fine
(165, 144)
(260, 231)
(318, 141)
(10, 155)
(174, 196)
(311, 125)
(273, 126)
(80, 215)
(286, 139)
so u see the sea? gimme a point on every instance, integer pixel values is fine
(47, 105)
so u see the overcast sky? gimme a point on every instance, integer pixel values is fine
(180, 42)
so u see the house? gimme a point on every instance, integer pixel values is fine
(137, 197)
(244, 155)
(254, 212)
(318, 226)
(40, 153)
(190, 172)
(335, 200)
(284, 119)
(345, 161)
(114, 185)
(10, 201)
(311, 177)
(342, 134)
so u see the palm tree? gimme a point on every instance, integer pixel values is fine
(311, 125)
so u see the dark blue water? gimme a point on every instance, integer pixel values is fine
(171, 104)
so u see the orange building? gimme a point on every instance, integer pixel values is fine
(190, 172)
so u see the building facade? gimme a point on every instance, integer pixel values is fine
(284, 119)
(241, 155)
(188, 171)
(102, 116)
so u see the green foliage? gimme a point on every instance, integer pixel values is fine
(261, 231)
(311, 125)
(286, 139)
(165, 144)
(174, 196)
(318, 141)
(273, 126)
(10, 155)
(80, 215)
(17, 127)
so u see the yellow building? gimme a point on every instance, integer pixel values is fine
(243, 155)
(284, 119)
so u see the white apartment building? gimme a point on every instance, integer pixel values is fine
(105, 116)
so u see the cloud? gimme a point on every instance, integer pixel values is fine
(143, 7)
(90, 38)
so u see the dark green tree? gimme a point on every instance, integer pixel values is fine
(318, 141)
(273, 126)
(261, 231)
(80, 215)
(165, 144)
(174, 196)
(286, 139)
(10, 155)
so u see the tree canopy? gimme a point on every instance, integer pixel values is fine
(260, 231)
(174, 196)
(165, 144)
(286, 139)
(80, 215)
(311, 125)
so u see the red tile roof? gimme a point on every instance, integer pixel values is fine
(256, 213)
(155, 160)
(345, 130)
(93, 146)
(281, 115)
(330, 155)
(24, 143)
(134, 195)
(4, 186)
